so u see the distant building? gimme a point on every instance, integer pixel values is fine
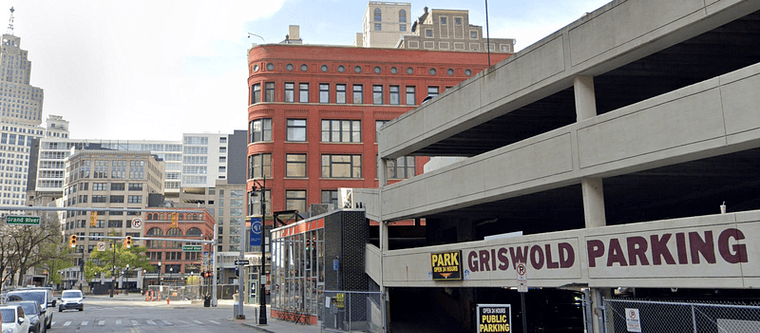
(450, 30)
(20, 119)
(388, 25)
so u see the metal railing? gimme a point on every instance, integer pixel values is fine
(352, 311)
(628, 315)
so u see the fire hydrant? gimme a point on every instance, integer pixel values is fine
(167, 301)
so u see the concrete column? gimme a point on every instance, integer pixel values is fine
(383, 177)
(585, 99)
(593, 202)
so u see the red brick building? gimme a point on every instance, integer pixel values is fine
(314, 110)
(176, 264)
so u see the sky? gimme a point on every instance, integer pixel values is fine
(155, 69)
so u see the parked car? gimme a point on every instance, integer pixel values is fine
(14, 319)
(34, 312)
(43, 296)
(71, 299)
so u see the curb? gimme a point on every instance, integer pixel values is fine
(256, 327)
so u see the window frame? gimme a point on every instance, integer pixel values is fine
(295, 126)
(297, 164)
(412, 93)
(357, 93)
(324, 93)
(394, 97)
(290, 92)
(330, 164)
(377, 94)
(332, 127)
(268, 92)
(303, 92)
(261, 169)
(340, 95)
(256, 93)
(265, 134)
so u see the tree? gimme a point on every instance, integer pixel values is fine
(22, 247)
(116, 259)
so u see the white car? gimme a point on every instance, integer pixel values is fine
(71, 299)
(14, 319)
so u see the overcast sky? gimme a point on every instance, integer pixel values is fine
(154, 69)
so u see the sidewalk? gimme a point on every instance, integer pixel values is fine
(273, 325)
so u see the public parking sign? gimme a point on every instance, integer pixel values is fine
(256, 231)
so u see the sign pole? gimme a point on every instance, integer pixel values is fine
(524, 319)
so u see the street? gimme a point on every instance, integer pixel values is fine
(132, 314)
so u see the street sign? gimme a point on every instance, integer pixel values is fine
(22, 220)
(522, 278)
(137, 223)
(101, 246)
(241, 262)
(256, 228)
(192, 248)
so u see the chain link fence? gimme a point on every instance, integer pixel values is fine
(352, 311)
(626, 315)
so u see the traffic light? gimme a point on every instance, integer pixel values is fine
(73, 241)
(237, 271)
(128, 242)
(174, 220)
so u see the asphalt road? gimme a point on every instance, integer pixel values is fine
(133, 314)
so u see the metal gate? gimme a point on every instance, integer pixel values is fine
(352, 311)
(628, 315)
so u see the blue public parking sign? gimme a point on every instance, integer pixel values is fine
(256, 228)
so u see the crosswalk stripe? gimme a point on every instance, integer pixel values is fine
(84, 323)
(67, 323)
(101, 323)
(215, 322)
(150, 322)
(118, 322)
(198, 322)
(182, 322)
(135, 323)
(167, 322)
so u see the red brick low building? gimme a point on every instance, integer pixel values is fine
(176, 264)
(314, 110)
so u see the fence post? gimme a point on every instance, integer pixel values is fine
(349, 311)
(693, 318)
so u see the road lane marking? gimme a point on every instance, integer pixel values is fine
(101, 323)
(167, 322)
(84, 323)
(215, 322)
(182, 322)
(150, 322)
(118, 322)
(67, 323)
(198, 322)
(135, 323)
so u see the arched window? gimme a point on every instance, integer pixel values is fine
(154, 244)
(154, 232)
(161, 217)
(195, 217)
(378, 15)
(174, 232)
(402, 16)
(181, 217)
(194, 232)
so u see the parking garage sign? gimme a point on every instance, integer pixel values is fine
(446, 266)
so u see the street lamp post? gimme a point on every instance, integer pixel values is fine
(159, 275)
(262, 271)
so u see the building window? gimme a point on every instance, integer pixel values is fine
(432, 91)
(402, 16)
(358, 94)
(254, 202)
(395, 98)
(260, 130)
(99, 186)
(378, 26)
(295, 200)
(411, 99)
(290, 92)
(443, 20)
(341, 131)
(378, 15)
(458, 21)
(330, 197)
(116, 199)
(135, 186)
(340, 93)
(258, 165)
(341, 166)
(256, 94)
(402, 27)
(429, 33)
(377, 94)
(324, 93)
(296, 130)
(117, 186)
(303, 92)
(378, 124)
(98, 199)
(401, 168)
(269, 93)
(295, 165)
(473, 34)
(115, 224)
(134, 199)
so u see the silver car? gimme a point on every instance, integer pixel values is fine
(14, 319)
